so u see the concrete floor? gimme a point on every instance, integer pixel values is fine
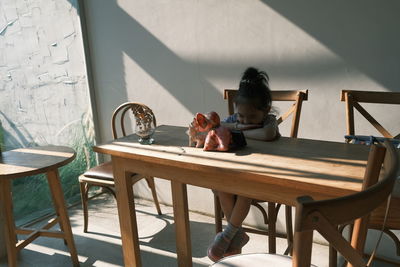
(102, 245)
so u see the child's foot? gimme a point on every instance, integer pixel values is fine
(218, 247)
(237, 243)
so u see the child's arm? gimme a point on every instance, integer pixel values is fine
(239, 126)
(267, 133)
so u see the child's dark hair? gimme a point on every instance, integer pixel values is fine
(254, 89)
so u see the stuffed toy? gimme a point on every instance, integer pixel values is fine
(206, 131)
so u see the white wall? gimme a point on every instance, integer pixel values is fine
(178, 56)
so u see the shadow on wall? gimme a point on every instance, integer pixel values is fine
(153, 56)
(20, 137)
(364, 33)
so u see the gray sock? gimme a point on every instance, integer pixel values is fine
(230, 231)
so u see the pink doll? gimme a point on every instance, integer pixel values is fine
(206, 131)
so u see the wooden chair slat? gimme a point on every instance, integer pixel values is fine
(335, 239)
(372, 120)
(349, 114)
(372, 96)
(286, 114)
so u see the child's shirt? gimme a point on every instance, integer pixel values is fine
(270, 118)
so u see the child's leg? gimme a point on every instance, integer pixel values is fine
(239, 213)
(240, 210)
(236, 211)
(227, 202)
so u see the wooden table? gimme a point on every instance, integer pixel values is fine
(30, 161)
(278, 171)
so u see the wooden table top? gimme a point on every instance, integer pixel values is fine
(29, 161)
(297, 163)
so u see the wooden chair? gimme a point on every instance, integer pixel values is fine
(325, 215)
(353, 100)
(270, 216)
(102, 175)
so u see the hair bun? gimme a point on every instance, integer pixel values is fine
(251, 74)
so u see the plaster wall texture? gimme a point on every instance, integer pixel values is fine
(43, 86)
(179, 56)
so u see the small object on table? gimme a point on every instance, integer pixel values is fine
(145, 123)
(206, 131)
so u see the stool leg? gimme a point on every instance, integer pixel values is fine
(56, 209)
(9, 223)
(61, 209)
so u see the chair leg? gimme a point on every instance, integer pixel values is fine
(9, 223)
(271, 228)
(151, 184)
(218, 214)
(289, 230)
(109, 189)
(84, 197)
(332, 256)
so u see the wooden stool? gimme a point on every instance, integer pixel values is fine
(30, 161)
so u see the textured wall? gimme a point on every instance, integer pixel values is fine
(44, 96)
(43, 88)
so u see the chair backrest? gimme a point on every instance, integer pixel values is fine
(121, 111)
(353, 98)
(298, 96)
(325, 215)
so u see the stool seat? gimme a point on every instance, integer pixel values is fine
(103, 171)
(255, 260)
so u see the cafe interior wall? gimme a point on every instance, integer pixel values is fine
(178, 57)
(44, 95)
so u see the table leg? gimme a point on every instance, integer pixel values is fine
(182, 227)
(61, 211)
(126, 213)
(9, 223)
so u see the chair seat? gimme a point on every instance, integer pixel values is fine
(255, 260)
(103, 171)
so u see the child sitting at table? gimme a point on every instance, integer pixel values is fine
(252, 105)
